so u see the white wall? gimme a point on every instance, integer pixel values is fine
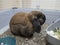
(26, 3)
(43, 4)
(35, 3)
(46, 4)
(5, 4)
(57, 4)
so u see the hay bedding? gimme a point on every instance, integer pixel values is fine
(37, 39)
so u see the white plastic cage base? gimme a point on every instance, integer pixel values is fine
(4, 29)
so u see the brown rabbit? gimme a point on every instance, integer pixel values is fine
(25, 24)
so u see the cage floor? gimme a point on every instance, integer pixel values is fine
(37, 39)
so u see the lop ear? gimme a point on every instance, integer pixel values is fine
(36, 26)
